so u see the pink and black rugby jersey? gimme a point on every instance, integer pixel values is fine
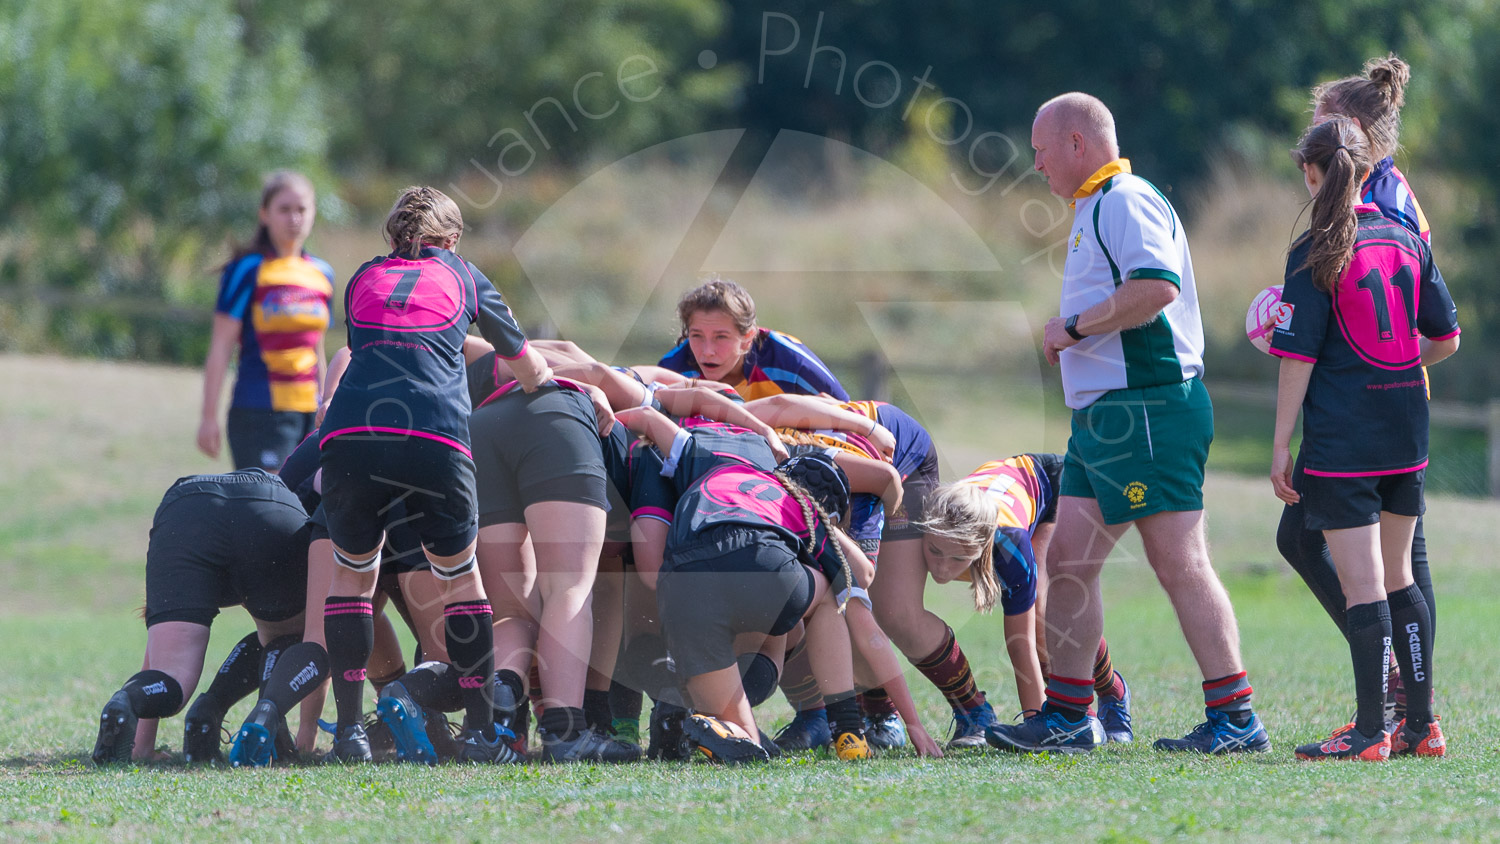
(407, 320)
(1366, 407)
(283, 308)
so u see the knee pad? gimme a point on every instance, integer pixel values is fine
(455, 572)
(358, 565)
(758, 675)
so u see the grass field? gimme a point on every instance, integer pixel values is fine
(91, 446)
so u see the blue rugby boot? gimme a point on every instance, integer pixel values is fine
(407, 723)
(885, 731)
(808, 731)
(1114, 714)
(255, 743)
(1218, 735)
(1046, 732)
(969, 726)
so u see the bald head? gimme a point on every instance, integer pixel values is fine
(1074, 135)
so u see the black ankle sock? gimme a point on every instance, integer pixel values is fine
(844, 714)
(153, 694)
(237, 677)
(271, 654)
(596, 709)
(300, 669)
(469, 628)
(624, 702)
(1369, 640)
(1411, 629)
(349, 628)
(564, 722)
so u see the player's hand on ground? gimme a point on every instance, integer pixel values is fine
(923, 742)
(1281, 474)
(208, 437)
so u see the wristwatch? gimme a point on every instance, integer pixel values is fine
(1071, 326)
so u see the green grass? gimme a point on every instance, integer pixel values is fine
(73, 514)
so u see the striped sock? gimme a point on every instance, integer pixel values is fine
(1106, 682)
(949, 670)
(1231, 696)
(876, 703)
(349, 629)
(1069, 696)
(798, 683)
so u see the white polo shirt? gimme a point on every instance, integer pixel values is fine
(1123, 228)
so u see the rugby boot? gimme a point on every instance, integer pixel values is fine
(666, 732)
(477, 748)
(1395, 698)
(850, 747)
(1408, 742)
(513, 715)
(1349, 743)
(440, 732)
(116, 739)
(254, 745)
(407, 724)
(1114, 715)
(768, 744)
(1217, 735)
(885, 731)
(808, 731)
(350, 746)
(719, 744)
(1045, 731)
(969, 726)
(589, 745)
(201, 729)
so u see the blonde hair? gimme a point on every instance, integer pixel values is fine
(1374, 99)
(422, 216)
(717, 294)
(810, 506)
(965, 513)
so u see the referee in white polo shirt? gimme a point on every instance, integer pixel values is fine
(1130, 344)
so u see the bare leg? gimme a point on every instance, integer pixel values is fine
(1178, 552)
(609, 620)
(568, 537)
(508, 566)
(720, 694)
(1041, 540)
(1075, 605)
(176, 648)
(898, 592)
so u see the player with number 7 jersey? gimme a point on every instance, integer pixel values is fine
(1364, 338)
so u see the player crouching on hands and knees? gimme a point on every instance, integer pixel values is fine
(1131, 352)
(397, 429)
(1364, 294)
(749, 555)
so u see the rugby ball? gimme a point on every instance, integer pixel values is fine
(1267, 312)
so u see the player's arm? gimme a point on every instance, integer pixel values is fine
(1020, 644)
(1435, 351)
(1291, 389)
(868, 475)
(622, 390)
(1134, 303)
(221, 345)
(336, 369)
(789, 410)
(689, 400)
(651, 424)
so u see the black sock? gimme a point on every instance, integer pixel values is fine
(624, 702)
(1411, 629)
(1306, 551)
(1369, 641)
(153, 694)
(758, 676)
(349, 628)
(237, 677)
(1421, 572)
(563, 722)
(844, 714)
(468, 626)
(271, 653)
(596, 710)
(300, 669)
(434, 685)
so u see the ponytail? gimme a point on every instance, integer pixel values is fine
(1374, 99)
(1338, 148)
(422, 216)
(810, 507)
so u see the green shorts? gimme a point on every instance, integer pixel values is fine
(1141, 451)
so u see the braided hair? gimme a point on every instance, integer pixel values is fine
(422, 216)
(810, 506)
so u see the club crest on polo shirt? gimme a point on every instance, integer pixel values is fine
(1135, 493)
(1077, 239)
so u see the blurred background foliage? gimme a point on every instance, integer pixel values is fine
(133, 136)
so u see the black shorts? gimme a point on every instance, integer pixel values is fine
(1052, 466)
(1341, 503)
(733, 580)
(264, 438)
(217, 543)
(534, 447)
(402, 551)
(914, 491)
(364, 475)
